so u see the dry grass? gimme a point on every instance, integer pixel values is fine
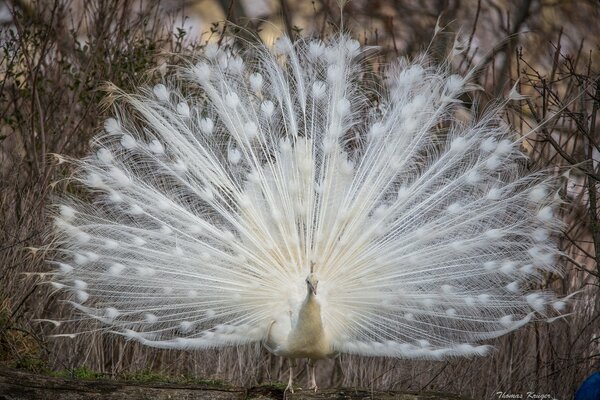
(53, 60)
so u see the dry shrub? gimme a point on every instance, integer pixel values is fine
(55, 57)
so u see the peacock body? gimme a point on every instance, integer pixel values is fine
(216, 203)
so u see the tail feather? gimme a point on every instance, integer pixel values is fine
(208, 209)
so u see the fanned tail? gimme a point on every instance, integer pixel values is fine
(209, 208)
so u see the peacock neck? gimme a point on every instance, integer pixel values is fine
(307, 337)
(310, 313)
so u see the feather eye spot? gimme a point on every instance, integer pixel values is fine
(540, 235)
(67, 212)
(145, 271)
(186, 326)
(111, 313)
(488, 145)
(494, 194)
(376, 131)
(79, 284)
(179, 166)
(545, 214)
(138, 241)
(128, 142)
(161, 92)
(93, 180)
(459, 144)
(163, 204)
(528, 269)
(116, 269)
(447, 289)
(115, 196)
(267, 107)
(82, 296)
(454, 208)
(316, 50)
(536, 301)
(473, 177)
(183, 109)
(210, 313)
(232, 100)
(150, 318)
(318, 89)
(65, 268)
(111, 244)
(234, 156)
(490, 265)
(119, 177)
(403, 193)
(504, 147)
(201, 72)
(352, 47)
(513, 287)
(207, 195)
(334, 73)
(206, 126)
(251, 130)
(484, 298)
(493, 162)
(494, 233)
(156, 147)
(559, 305)
(458, 245)
(104, 156)
(343, 107)
(538, 194)
(508, 267)
(134, 209)
(80, 259)
(112, 126)
(256, 81)
(454, 83)
(235, 65)
(506, 321)
(469, 301)
(83, 237)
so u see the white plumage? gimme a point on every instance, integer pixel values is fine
(207, 210)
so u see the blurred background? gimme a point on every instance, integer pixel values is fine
(55, 56)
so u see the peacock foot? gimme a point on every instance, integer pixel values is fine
(289, 388)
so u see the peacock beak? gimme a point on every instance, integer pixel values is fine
(313, 289)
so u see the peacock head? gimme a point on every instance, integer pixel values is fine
(311, 283)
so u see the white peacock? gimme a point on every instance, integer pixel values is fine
(280, 201)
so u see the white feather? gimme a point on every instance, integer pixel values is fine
(206, 225)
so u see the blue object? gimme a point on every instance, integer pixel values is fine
(590, 388)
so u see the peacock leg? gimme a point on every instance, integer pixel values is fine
(290, 386)
(311, 371)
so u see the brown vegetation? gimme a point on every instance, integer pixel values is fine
(56, 54)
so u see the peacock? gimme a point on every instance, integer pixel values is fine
(295, 196)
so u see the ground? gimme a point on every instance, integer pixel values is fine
(21, 385)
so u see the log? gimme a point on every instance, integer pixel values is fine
(22, 385)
